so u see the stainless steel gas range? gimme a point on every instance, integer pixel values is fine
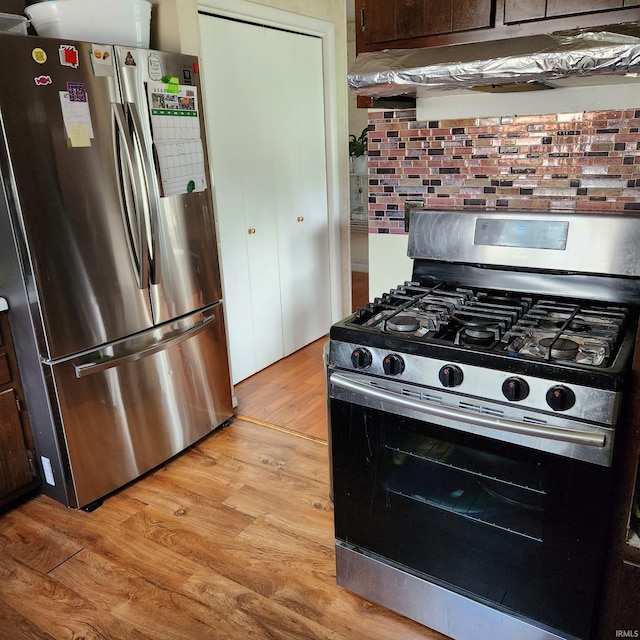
(474, 420)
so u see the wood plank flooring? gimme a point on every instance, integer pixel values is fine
(291, 393)
(232, 539)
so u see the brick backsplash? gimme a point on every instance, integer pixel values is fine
(559, 162)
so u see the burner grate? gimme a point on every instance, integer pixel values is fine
(578, 333)
(553, 330)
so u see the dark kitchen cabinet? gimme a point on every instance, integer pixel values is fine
(524, 10)
(17, 464)
(628, 611)
(395, 24)
(402, 21)
(621, 601)
(557, 8)
(627, 614)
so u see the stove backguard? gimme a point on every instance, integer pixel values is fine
(605, 244)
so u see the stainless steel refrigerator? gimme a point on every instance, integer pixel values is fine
(108, 258)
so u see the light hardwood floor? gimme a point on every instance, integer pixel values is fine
(291, 392)
(232, 539)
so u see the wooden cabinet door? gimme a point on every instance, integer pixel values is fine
(5, 370)
(399, 20)
(471, 14)
(557, 8)
(378, 18)
(628, 614)
(416, 18)
(15, 471)
(523, 10)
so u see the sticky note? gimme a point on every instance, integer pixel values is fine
(78, 135)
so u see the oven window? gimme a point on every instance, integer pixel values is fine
(518, 528)
(486, 487)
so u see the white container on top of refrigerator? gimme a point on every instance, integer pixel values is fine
(108, 258)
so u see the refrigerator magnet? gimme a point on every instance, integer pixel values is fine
(155, 67)
(102, 60)
(69, 56)
(39, 55)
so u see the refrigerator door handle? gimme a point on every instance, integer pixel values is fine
(171, 339)
(153, 195)
(133, 212)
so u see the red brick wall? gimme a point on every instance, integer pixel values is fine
(561, 162)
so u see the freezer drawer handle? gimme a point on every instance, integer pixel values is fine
(499, 424)
(103, 364)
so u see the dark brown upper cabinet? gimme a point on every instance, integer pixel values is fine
(395, 21)
(396, 24)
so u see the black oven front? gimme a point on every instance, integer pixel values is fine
(471, 534)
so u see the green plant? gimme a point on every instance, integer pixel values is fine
(358, 146)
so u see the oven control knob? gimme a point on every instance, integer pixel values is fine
(361, 358)
(515, 389)
(393, 365)
(450, 375)
(560, 398)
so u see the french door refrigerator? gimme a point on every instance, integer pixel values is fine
(108, 259)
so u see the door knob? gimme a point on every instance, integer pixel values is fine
(300, 219)
(251, 231)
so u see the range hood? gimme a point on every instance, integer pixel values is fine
(537, 62)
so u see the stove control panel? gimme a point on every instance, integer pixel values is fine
(530, 393)
(361, 358)
(560, 398)
(393, 365)
(515, 389)
(451, 376)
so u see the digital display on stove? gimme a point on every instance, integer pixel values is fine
(525, 234)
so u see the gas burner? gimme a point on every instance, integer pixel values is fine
(403, 322)
(469, 320)
(573, 325)
(560, 348)
(578, 325)
(478, 329)
(501, 300)
(551, 324)
(477, 335)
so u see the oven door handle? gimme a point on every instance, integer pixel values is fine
(500, 424)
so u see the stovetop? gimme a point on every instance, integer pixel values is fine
(555, 337)
(518, 325)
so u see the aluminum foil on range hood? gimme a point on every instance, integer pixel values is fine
(557, 59)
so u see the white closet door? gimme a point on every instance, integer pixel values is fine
(237, 75)
(301, 190)
(264, 105)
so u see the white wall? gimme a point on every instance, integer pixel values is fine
(389, 265)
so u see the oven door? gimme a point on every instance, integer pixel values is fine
(514, 527)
